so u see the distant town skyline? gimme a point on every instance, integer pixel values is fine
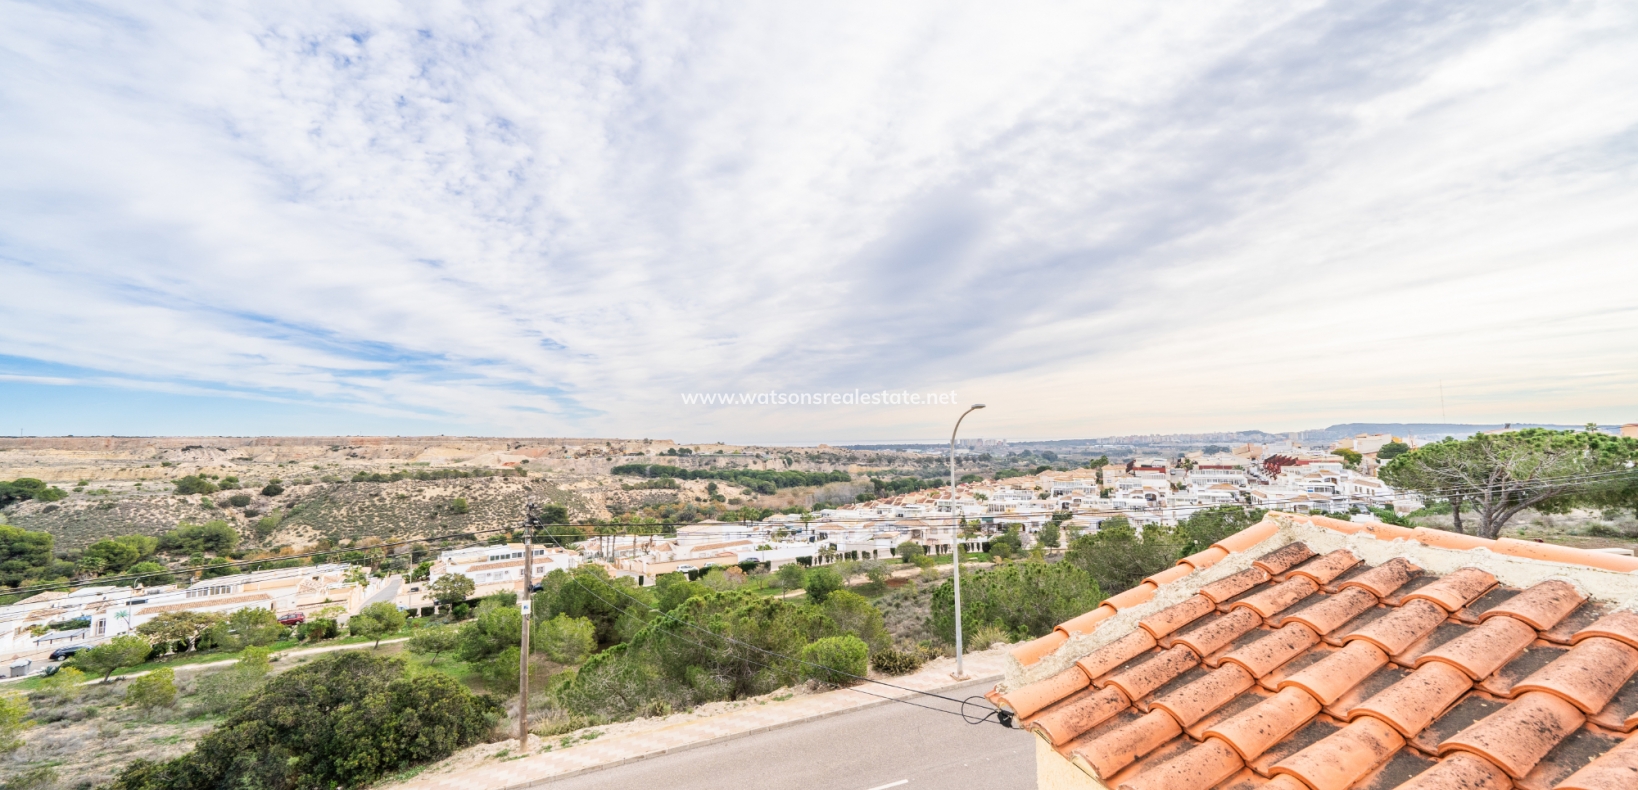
(1098, 219)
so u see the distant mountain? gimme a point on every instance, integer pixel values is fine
(1440, 429)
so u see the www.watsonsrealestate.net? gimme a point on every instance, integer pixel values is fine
(854, 398)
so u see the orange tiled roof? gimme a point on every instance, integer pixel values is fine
(1318, 671)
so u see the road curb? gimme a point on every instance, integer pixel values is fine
(731, 736)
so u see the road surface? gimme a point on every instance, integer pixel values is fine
(388, 592)
(888, 746)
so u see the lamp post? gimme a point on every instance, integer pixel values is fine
(959, 673)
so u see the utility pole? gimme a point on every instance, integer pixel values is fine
(960, 674)
(524, 607)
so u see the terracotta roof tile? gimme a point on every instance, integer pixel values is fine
(1284, 558)
(1541, 606)
(1324, 568)
(1246, 538)
(1587, 676)
(1621, 714)
(1461, 772)
(1385, 578)
(1484, 649)
(1152, 673)
(1118, 749)
(1329, 613)
(1255, 730)
(1076, 714)
(1212, 635)
(1194, 701)
(1516, 737)
(1501, 682)
(1104, 660)
(1412, 703)
(1621, 626)
(1234, 584)
(1455, 590)
(1273, 649)
(1333, 676)
(1272, 600)
(1343, 757)
(1399, 628)
(1318, 672)
(1178, 615)
(1027, 700)
(1570, 755)
(1199, 768)
(1617, 769)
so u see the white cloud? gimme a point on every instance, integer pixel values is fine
(1097, 217)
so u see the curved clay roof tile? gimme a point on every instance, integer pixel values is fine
(1107, 755)
(1399, 628)
(1621, 626)
(1284, 558)
(1138, 681)
(1329, 614)
(1615, 770)
(1384, 578)
(1026, 700)
(1484, 649)
(1176, 616)
(1455, 590)
(1325, 568)
(1588, 676)
(1200, 768)
(1268, 722)
(1541, 606)
(1217, 634)
(1195, 700)
(1078, 713)
(1516, 737)
(1414, 702)
(1264, 655)
(1461, 772)
(1278, 598)
(1345, 756)
(1234, 584)
(1333, 675)
(1102, 661)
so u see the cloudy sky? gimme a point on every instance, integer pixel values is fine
(543, 219)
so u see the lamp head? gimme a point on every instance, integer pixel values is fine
(976, 406)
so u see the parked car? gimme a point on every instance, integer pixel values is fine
(686, 568)
(64, 652)
(293, 618)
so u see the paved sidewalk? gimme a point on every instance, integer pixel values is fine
(545, 766)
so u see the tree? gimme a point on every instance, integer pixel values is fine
(64, 684)
(853, 614)
(185, 627)
(564, 639)
(24, 554)
(452, 588)
(790, 576)
(194, 484)
(1205, 527)
(1008, 544)
(435, 641)
(1501, 475)
(1049, 534)
(491, 632)
(157, 689)
(248, 628)
(821, 582)
(1391, 450)
(215, 537)
(376, 620)
(118, 554)
(1024, 599)
(422, 572)
(344, 720)
(1350, 458)
(24, 488)
(13, 720)
(120, 652)
(150, 574)
(617, 607)
(838, 660)
(909, 552)
(1117, 557)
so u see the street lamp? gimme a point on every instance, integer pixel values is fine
(959, 673)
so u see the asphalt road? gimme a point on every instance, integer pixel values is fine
(388, 592)
(888, 746)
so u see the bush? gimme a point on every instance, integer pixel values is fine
(895, 662)
(853, 614)
(821, 582)
(239, 500)
(838, 658)
(216, 537)
(318, 630)
(1117, 557)
(151, 574)
(218, 692)
(791, 576)
(13, 720)
(157, 689)
(64, 684)
(564, 639)
(272, 489)
(248, 628)
(345, 720)
(500, 671)
(910, 552)
(434, 641)
(459, 507)
(194, 484)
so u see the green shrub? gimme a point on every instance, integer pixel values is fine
(564, 639)
(1024, 599)
(194, 484)
(377, 620)
(318, 630)
(239, 500)
(345, 720)
(13, 720)
(838, 658)
(247, 628)
(500, 671)
(821, 582)
(157, 689)
(272, 489)
(895, 662)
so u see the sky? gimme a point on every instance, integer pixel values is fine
(563, 219)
